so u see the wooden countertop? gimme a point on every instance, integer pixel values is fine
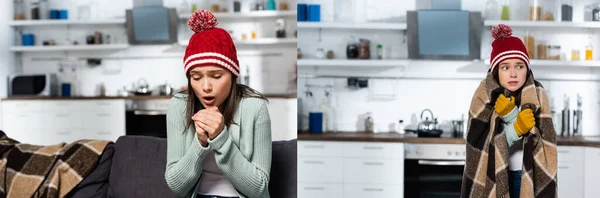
(590, 141)
(286, 96)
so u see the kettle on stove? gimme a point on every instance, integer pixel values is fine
(428, 128)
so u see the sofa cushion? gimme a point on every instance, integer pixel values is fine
(138, 168)
(283, 182)
(95, 184)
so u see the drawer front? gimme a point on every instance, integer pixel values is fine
(106, 105)
(570, 179)
(319, 148)
(570, 153)
(104, 125)
(319, 190)
(65, 106)
(22, 106)
(370, 190)
(319, 169)
(375, 150)
(375, 171)
(592, 162)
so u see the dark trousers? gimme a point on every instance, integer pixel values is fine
(514, 180)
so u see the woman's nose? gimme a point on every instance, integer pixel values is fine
(207, 87)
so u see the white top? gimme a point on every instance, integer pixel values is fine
(212, 181)
(515, 156)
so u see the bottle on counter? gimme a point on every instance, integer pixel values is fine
(327, 113)
(369, 123)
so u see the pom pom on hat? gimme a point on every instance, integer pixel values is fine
(202, 20)
(501, 32)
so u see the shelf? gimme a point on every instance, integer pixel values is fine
(351, 63)
(258, 41)
(68, 48)
(543, 24)
(253, 14)
(342, 25)
(483, 66)
(17, 23)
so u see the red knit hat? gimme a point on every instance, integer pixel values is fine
(210, 45)
(506, 46)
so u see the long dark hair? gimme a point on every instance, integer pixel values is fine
(237, 92)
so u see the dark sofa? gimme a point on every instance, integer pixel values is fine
(134, 166)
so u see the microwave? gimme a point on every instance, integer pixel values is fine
(45, 84)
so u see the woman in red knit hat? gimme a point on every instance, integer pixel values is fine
(511, 143)
(218, 131)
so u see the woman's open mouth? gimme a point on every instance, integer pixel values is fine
(208, 100)
(513, 83)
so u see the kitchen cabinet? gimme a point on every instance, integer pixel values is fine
(570, 171)
(50, 122)
(282, 112)
(592, 172)
(350, 169)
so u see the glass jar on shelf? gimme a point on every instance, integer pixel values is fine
(541, 50)
(505, 14)
(284, 5)
(529, 41)
(19, 9)
(35, 10)
(554, 52)
(535, 10)
(549, 10)
(215, 6)
(352, 48)
(320, 53)
(575, 55)
(492, 10)
(566, 10)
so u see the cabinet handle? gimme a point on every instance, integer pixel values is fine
(314, 162)
(373, 163)
(373, 189)
(103, 133)
(314, 188)
(103, 114)
(559, 151)
(103, 103)
(563, 167)
(314, 146)
(373, 148)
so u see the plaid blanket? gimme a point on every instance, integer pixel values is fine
(45, 171)
(486, 169)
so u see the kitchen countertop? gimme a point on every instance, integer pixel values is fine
(590, 141)
(286, 96)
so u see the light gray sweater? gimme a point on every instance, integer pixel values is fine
(242, 151)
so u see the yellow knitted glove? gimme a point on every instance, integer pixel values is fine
(525, 121)
(503, 106)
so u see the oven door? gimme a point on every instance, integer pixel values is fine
(433, 178)
(146, 123)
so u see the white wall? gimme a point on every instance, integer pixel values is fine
(435, 85)
(7, 63)
(124, 67)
